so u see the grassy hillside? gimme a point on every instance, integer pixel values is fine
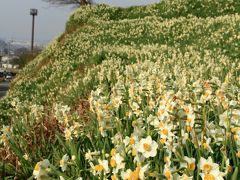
(130, 93)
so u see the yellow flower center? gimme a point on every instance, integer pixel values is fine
(160, 112)
(99, 168)
(166, 159)
(67, 134)
(189, 119)
(4, 138)
(133, 176)
(132, 141)
(187, 110)
(113, 152)
(162, 141)
(209, 177)
(205, 146)
(191, 166)
(113, 163)
(207, 168)
(230, 169)
(61, 162)
(168, 175)
(206, 85)
(146, 147)
(113, 178)
(134, 153)
(165, 131)
(37, 167)
(189, 128)
(170, 108)
(160, 125)
(7, 129)
(207, 93)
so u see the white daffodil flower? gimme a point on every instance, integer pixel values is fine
(63, 162)
(148, 147)
(41, 169)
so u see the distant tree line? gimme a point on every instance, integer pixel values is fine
(26, 57)
(69, 2)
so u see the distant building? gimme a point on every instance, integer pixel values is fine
(9, 62)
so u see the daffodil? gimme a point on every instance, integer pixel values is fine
(89, 155)
(165, 130)
(148, 147)
(206, 145)
(68, 134)
(26, 156)
(210, 169)
(63, 162)
(224, 119)
(162, 112)
(134, 106)
(153, 120)
(206, 96)
(189, 163)
(117, 163)
(41, 170)
(167, 173)
(101, 167)
(137, 174)
(185, 177)
(212, 176)
(128, 175)
(116, 102)
(143, 170)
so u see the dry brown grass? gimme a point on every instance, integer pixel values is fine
(82, 107)
(8, 157)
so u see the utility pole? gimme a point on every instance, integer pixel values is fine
(33, 13)
(1, 59)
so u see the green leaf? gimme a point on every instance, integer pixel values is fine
(235, 174)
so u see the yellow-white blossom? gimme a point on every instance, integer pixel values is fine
(147, 147)
(63, 162)
(210, 170)
(41, 170)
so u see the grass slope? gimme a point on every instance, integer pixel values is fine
(181, 42)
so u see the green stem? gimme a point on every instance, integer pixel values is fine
(187, 148)
(232, 152)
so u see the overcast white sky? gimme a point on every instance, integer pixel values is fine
(15, 21)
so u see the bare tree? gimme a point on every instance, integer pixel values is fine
(69, 2)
